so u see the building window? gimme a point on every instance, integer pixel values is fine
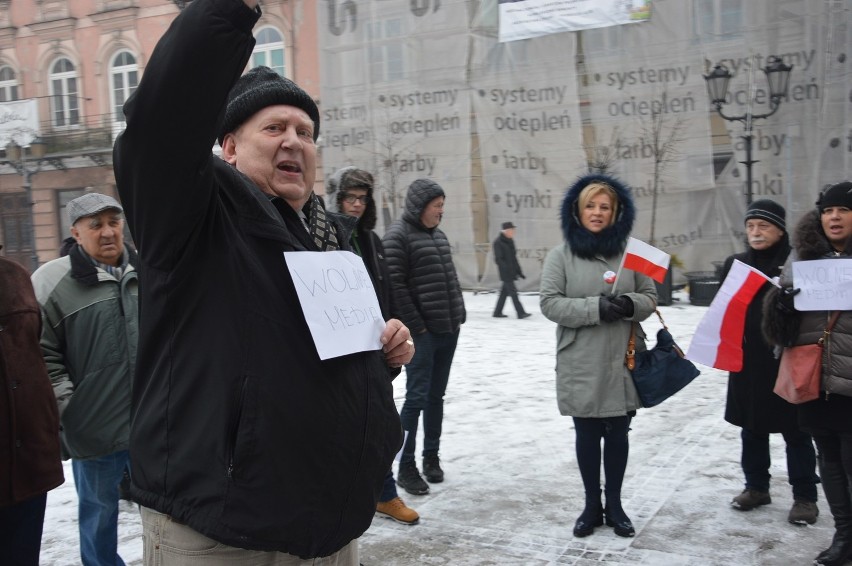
(269, 51)
(64, 101)
(124, 75)
(8, 84)
(720, 19)
(387, 51)
(17, 243)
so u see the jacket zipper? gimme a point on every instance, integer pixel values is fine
(235, 430)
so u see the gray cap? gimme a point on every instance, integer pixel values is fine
(90, 204)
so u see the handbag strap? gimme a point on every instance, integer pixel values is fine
(829, 327)
(630, 355)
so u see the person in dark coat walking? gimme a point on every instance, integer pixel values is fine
(349, 191)
(752, 405)
(506, 258)
(30, 463)
(825, 233)
(429, 300)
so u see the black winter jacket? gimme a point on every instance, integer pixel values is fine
(426, 288)
(239, 429)
(506, 258)
(751, 403)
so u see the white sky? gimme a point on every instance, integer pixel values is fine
(512, 488)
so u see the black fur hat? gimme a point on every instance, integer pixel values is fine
(835, 195)
(259, 88)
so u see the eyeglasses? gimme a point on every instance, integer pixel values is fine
(350, 199)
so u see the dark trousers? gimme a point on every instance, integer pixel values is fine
(20, 531)
(801, 462)
(508, 290)
(616, 446)
(427, 375)
(388, 488)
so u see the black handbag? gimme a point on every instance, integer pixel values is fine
(660, 372)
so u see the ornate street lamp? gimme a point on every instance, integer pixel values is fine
(27, 162)
(778, 77)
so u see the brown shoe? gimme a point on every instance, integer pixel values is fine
(397, 510)
(803, 512)
(751, 498)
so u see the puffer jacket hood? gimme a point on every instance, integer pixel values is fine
(420, 193)
(351, 178)
(611, 240)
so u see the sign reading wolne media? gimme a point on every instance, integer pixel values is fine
(826, 284)
(338, 301)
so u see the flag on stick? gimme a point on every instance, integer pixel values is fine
(718, 339)
(646, 259)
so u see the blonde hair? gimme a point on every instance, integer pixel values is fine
(592, 190)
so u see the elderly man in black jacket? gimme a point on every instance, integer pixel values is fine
(429, 300)
(242, 433)
(506, 258)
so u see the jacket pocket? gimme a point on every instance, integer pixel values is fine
(565, 337)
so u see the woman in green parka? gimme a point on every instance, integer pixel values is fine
(594, 313)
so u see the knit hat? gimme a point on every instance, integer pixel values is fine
(90, 204)
(768, 210)
(259, 88)
(836, 195)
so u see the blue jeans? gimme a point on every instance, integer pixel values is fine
(427, 375)
(388, 488)
(97, 491)
(801, 462)
(20, 531)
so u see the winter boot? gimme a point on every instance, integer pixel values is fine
(409, 479)
(803, 512)
(835, 484)
(432, 468)
(397, 510)
(591, 517)
(615, 516)
(751, 498)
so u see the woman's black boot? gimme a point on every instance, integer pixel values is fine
(835, 484)
(617, 518)
(591, 517)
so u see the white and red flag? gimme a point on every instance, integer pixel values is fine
(646, 259)
(718, 338)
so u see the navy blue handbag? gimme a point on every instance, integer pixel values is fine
(660, 372)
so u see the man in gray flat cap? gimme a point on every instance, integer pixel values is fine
(89, 302)
(241, 432)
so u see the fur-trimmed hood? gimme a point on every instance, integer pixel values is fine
(611, 240)
(351, 178)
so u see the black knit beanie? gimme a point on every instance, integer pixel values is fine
(836, 195)
(259, 88)
(768, 210)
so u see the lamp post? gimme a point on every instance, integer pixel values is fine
(778, 77)
(19, 159)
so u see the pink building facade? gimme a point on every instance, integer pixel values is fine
(72, 64)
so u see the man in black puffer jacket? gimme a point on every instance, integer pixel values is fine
(429, 301)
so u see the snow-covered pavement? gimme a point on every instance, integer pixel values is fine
(512, 488)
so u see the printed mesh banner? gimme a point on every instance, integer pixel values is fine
(530, 144)
(425, 88)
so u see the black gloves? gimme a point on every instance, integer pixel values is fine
(615, 308)
(784, 300)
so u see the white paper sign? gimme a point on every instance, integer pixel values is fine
(338, 300)
(826, 284)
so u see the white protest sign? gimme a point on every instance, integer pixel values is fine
(338, 301)
(826, 284)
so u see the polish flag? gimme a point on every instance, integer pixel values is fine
(646, 259)
(718, 339)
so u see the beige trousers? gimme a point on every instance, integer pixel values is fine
(169, 543)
